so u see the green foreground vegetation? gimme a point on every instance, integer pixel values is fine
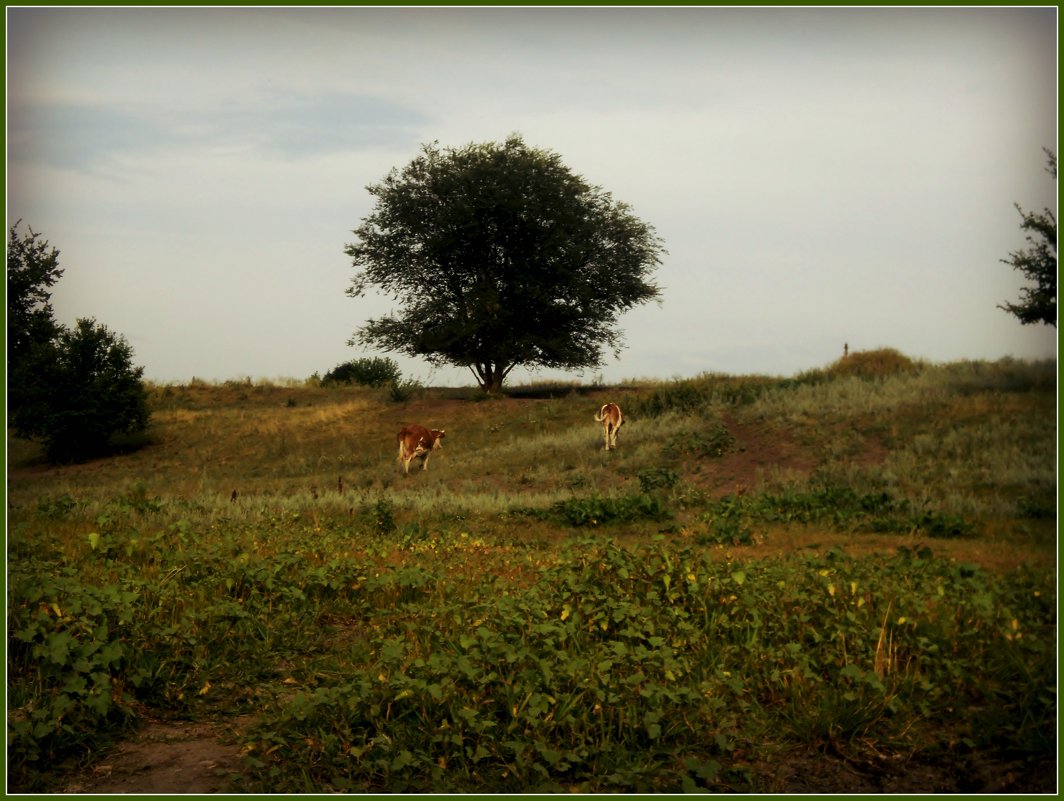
(857, 563)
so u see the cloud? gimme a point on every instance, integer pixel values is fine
(78, 137)
(84, 137)
(300, 126)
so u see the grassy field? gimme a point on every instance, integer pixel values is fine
(839, 581)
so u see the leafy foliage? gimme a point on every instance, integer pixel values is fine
(32, 270)
(652, 669)
(71, 388)
(836, 504)
(596, 510)
(372, 372)
(500, 256)
(86, 391)
(1038, 263)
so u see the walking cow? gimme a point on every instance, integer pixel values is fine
(418, 442)
(611, 418)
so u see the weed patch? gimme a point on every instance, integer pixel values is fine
(838, 506)
(650, 670)
(710, 440)
(598, 510)
(698, 394)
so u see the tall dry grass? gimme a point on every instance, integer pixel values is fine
(972, 438)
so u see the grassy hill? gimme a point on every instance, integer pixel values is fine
(857, 561)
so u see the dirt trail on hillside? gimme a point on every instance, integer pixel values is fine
(178, 757)
(756, 451)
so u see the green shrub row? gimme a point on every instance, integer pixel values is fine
(656, 670)
(844, 508)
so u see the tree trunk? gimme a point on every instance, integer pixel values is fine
(490, 377)
(494, 378)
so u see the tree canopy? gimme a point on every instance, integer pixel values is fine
(32, 270)
(499, 256)
(70, 388)
(87, 391)
(1038, 263)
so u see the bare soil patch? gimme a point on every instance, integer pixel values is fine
(757, 450)
(176, 757)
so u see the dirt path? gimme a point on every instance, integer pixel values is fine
(168, 758)
(203, 759)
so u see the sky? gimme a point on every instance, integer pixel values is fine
(819, 176)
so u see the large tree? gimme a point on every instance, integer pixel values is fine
(499, 256)
(1038, 263)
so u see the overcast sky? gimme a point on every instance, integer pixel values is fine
(818, 176)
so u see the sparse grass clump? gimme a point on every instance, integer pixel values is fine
(687, 396)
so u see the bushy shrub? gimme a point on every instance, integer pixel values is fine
(877, 363)
(405, 390)
(79, 390)
(596, 510)
(375, 372)
(654, 478)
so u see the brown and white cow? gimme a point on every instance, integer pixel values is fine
(418, 442)
(611, 418)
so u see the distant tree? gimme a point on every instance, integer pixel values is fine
(499, 256)
(375, 372)
(1038, 263)
(32, 270)
(79, 390)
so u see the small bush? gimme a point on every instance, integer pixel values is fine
(873, 364)
(726, 525)
(405, 390)
(375, 372)
(596, 510)
(653, 478)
